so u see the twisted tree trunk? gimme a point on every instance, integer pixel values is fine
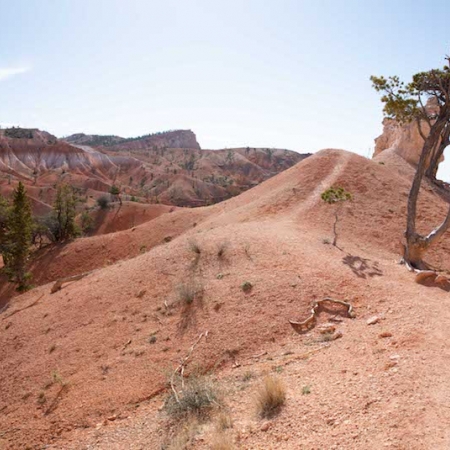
(416, 244)
(432, 169)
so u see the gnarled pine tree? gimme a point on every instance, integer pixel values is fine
(405, 103)
(18, 238)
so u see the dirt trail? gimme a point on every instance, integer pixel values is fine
(325, 183)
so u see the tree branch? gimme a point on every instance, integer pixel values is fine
(436, 234)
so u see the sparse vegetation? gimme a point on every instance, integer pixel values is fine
(190, 291)
(16, 237)
(197, 398)
(326, 337)
(114, 190)
(306, 390)
(336, 195)
(64, 213)
(248, 375)
(246, 286)
(115, 193)
(184, 436)
(19, 133)
(223, 421)
(221, 250)
(247, 252)
(271, 396)
(41, 398)
(194, 247)
(222, 441)
(58, 379)
(87, 222)
(103, 202)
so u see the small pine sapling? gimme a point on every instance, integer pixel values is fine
(336, 195)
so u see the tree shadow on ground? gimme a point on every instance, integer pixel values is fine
(362, 267)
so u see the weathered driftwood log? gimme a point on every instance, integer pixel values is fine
(310, 322)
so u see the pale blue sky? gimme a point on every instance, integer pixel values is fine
(288, 74)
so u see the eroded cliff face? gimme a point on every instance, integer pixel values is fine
(165, 139)
(404, 140)
(32, 153)
(153, 169)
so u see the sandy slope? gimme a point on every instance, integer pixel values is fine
(367, 392)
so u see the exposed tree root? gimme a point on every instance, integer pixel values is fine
(311, 321)
(58, 284)
(427, 275)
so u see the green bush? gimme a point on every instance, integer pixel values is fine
(103, 202)
(335, 194)
(87, 222)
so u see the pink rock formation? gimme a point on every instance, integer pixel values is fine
(404, 140)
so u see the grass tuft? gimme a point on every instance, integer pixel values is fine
(306, 390)
(190, 291)
(246, 286)
(222, 441)
(197, 398)
(271, 396)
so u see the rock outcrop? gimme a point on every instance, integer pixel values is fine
(165, 139)
(404, 140)
(30, 154)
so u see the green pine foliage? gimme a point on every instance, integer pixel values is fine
(114, 190)
(87, 222)
(335, 195)
(64, 213)
(17, 238)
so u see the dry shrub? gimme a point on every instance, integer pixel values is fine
(223, 422)
(197, 251)
(190, 295)
(190, 291)
(184, 436)
(194, 247)
(222, 249)
(222, 441)
(196, 398)
(246, 286)
(270, 397)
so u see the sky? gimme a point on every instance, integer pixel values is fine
(287, 74)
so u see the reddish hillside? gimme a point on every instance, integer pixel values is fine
(144, 168)
(73, 359)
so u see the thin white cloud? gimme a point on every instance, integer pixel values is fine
(9, 72)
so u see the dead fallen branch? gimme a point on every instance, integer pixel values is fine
(181, 367)
(57, 399)
(58, 284)
(310, 322)
(23, 309)
(259, 355)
